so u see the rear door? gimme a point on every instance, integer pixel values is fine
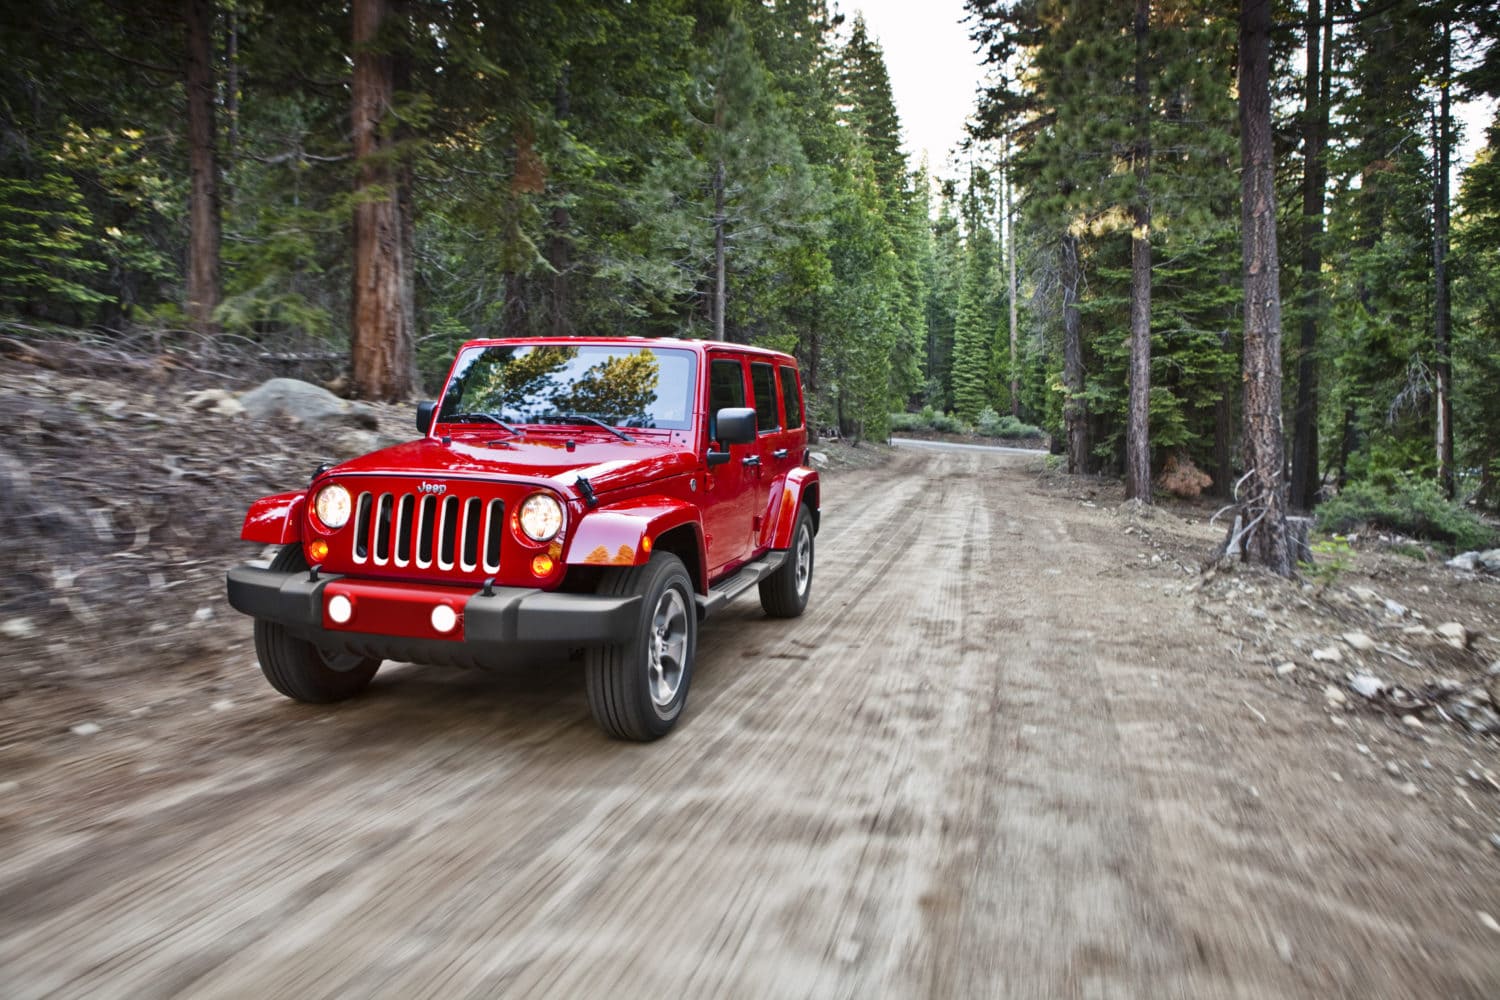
(730, 494)
(773, 440)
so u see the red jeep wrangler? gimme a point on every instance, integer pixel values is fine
(603, 493)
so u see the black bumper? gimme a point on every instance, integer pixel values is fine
(494, 624)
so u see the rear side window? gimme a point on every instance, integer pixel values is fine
(763, 381)
(791, 396)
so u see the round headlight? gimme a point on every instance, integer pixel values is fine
(541, 517)
(333, 506)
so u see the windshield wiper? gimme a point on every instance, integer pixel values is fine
(469, 418)
(583, 418)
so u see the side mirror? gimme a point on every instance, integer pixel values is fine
(424, 416)
(735, 425)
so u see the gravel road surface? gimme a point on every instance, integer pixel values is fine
(992, 760)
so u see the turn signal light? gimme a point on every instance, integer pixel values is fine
(318, 550)
(646, 545)
(541, 565)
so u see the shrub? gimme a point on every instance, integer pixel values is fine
(992, 424)
(928, 420)
(1411, 507)
(948, 424)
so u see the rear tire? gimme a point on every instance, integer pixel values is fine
(784, 593)
(637, 688)
(299, 669)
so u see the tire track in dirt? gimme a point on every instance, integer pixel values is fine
(978, 766)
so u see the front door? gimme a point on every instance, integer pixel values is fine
(730, 489)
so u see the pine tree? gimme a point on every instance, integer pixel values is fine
(978, 302)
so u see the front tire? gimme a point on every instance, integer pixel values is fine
(298, 668)
(637, 688)
(784, 593)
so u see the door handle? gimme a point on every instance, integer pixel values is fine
(779, 453)
(751, 460)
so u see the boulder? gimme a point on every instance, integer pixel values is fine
(351, 442)
(1455, 635)
(1465, 561)
(1489, 561)
(302, 402)
(216, 401)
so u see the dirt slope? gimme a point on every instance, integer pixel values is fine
(1002, 755)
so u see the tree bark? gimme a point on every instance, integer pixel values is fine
(1306, 477)
(559, 242)
(719, 298)
(1138, 417)
(1075, 407)
(1264, 504)
(203, 169)
(1442, 308)
(382, 341)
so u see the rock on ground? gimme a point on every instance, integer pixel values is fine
(290, 399)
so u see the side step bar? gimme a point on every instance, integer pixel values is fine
(729, 588)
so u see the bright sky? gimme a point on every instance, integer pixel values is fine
(934, 71)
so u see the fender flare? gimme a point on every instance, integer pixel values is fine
(275, 520)
(624, 533)
(801, 484)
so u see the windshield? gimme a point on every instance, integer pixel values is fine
(527, 383)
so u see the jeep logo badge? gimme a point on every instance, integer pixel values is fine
(427, 487)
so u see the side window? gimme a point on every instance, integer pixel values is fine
(763, 381)
(791, 396)
(726, 387)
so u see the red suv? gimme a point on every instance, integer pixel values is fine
(602, 493)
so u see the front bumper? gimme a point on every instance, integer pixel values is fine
(392, 620)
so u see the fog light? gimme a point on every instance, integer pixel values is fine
(340, 608)
(444, 618)
(318, 550)
(541, 565)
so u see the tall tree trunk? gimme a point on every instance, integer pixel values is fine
(718, 303)
(1138, 418)
(1075, 407)
(1306, 476)
(1443, 316)
(1009, 234)
(203, 168)
(558, 240)
(1264, 505)
(383, 355)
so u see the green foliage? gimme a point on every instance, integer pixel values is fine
(45, 235)
(929, 420)
(995, 425)
(1410, 506)
(1332, 558)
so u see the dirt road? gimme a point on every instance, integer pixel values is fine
(995, 759)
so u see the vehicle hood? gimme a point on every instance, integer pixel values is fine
(605, 464)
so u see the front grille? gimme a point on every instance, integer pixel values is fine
(423, 530)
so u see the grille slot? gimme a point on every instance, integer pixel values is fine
(494, 523)
(450, 532)
(447, 532)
